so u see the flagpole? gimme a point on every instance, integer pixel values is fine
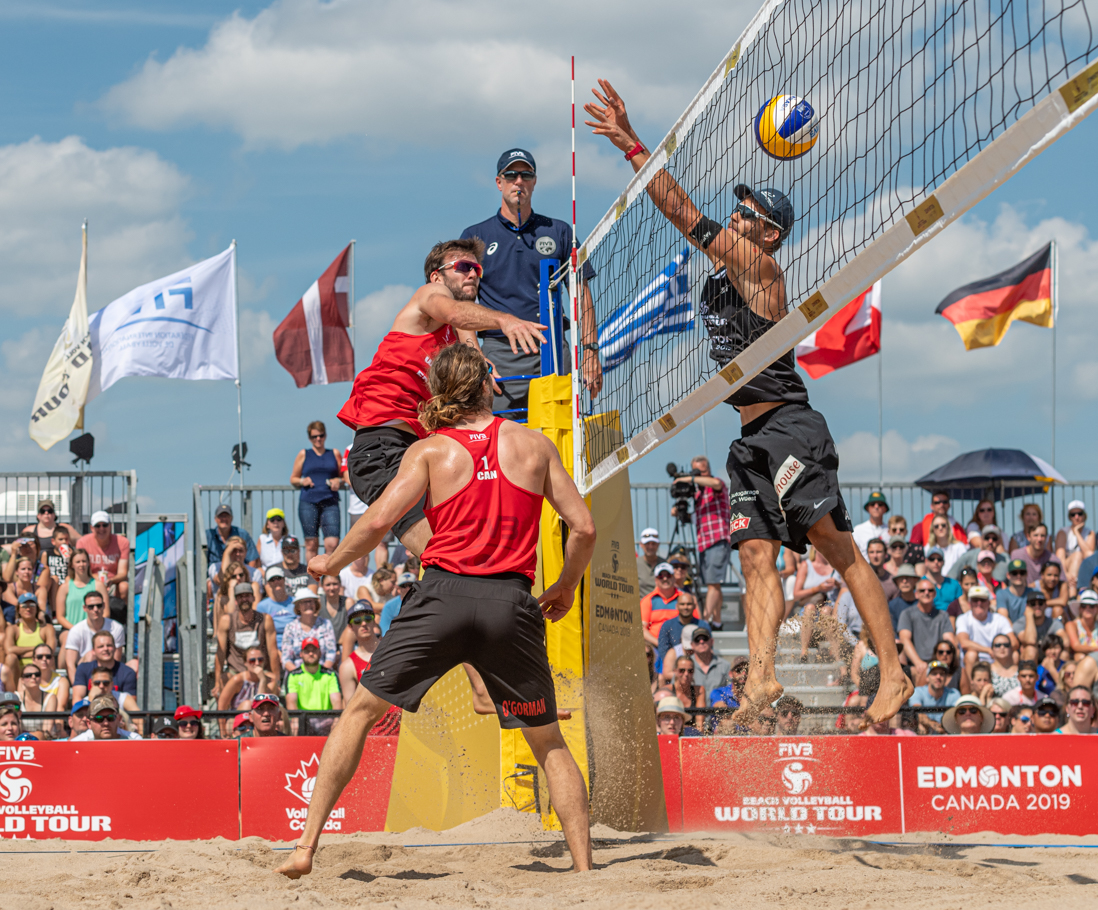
(239, 405)
(1055, 302)
(351, 307)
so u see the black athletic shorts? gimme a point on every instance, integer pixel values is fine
(489, 621)
(374, 461)
(783, 478)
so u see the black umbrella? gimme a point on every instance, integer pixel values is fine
(992, 474)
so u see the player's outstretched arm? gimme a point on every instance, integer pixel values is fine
(403, 492)
(435, 301)
(563, 496)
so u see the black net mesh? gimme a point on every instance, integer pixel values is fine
(906, 93)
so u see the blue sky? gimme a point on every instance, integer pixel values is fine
(297, 126)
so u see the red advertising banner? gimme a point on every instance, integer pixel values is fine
(857, 786)
(1032, 784)
(671, 766)
(819, 785)
(150, 790)
(277, 775)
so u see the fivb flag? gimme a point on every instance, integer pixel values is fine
(662, 307)
(852, 334)
(179, 327)
(311, 342)
(59, 404)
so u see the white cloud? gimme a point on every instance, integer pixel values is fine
(306, 72)
(374, 315)
(130, 197)
(904, 460)
(256, 340)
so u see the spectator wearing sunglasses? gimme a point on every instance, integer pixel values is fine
(318, 474)
(1021, 719)
(935, 694)
(949, 589)
(1046, 715)
(1000, 710)
(188, 721)
(1075, 541)
(362, 622)
(968, 717)
(1010, 600)
(164, 728)
(710, 669)
(789, 710)
(939, 506)
(110, 558)
(241, 688)
(103, 721)
(920, 628)
(46, 524)
(517, 240)
(1080, 712)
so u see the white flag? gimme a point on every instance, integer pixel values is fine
(59, 403)
(179, 327)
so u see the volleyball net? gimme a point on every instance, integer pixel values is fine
(924, 107)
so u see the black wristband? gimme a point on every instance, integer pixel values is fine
(591, 346)
(704, 231)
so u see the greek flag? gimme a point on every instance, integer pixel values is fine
(660, 308)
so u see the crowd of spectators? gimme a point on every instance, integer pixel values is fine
(997, 637)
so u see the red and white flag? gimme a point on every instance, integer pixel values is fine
(312, 343)
(852, 334)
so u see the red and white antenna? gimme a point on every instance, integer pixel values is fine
(577, 325)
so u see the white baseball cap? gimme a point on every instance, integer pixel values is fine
(979, 592)
(99, 518)
(1077, 504)
(664, 567)
(275, 572)
(688, 635)
(650, 535)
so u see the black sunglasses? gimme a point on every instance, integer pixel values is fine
(935, 557)
(46, 511)
(968, 709)
(745, 211)
(514, 175)
(1048, 710)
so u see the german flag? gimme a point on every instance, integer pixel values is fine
(983, 311)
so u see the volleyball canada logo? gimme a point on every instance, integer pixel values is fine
(302, 781)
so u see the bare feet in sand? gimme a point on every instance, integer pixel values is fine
(300, 862)
(755, 698)
(890, 697)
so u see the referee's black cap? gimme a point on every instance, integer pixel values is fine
(511, 156)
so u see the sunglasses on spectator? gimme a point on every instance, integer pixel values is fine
(1048, 710)
(35, 675)
(43, 656)
(939, 502)
(702, 638)
(790, 712)
(463, 267)
(101, 524)
(944, 651)
(187, 723)
(48, 511)
(317, 435)
(1025, 718)
(361, 618)
(991, 537)
(1080, 702)
(925, 591)
(104, 718)
(1017, 572)
(961, 712)
(935, 557)
(685, 670)
(1000, 644)
(1000, 713)
(1076, 512)
(276, 518)
(897, 546)
(512, 176)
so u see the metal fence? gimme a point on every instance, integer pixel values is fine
(75, 495)
(652, 505)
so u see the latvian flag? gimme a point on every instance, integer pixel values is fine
(312, 341)
(983, 311)
(852, 334)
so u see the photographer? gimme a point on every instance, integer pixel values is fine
(712, 517)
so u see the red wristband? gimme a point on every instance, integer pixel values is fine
(636, 150)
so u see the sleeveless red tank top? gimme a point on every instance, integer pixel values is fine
(490, 525)
(395, 382)
(389, 724)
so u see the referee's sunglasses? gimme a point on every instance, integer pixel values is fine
(464, 267)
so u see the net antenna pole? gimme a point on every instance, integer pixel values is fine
(880, 417)
(351, 307)
(577, 326)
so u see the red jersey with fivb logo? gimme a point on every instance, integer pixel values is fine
(393, 385)
(490, 525)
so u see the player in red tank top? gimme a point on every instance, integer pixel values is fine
(473, 604)
(384, 405)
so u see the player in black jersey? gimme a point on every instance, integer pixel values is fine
(783, 469)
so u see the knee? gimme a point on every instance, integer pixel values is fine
(757, 555)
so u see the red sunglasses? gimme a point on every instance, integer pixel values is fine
(464, 267)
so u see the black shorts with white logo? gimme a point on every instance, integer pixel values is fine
(783, 478)
(489, 621)
(373, 462)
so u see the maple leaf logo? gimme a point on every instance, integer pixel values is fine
(301, 783)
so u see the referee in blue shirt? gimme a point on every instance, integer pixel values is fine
(516, 240)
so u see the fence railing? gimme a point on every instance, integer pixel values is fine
(75, 495)
(652, 505)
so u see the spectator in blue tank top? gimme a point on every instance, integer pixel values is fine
(319, 475)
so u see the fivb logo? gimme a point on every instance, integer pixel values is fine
(795, 777)
(179, 298)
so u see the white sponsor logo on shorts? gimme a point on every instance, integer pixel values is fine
(790, 470)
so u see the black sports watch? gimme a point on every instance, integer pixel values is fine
(591, 346)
